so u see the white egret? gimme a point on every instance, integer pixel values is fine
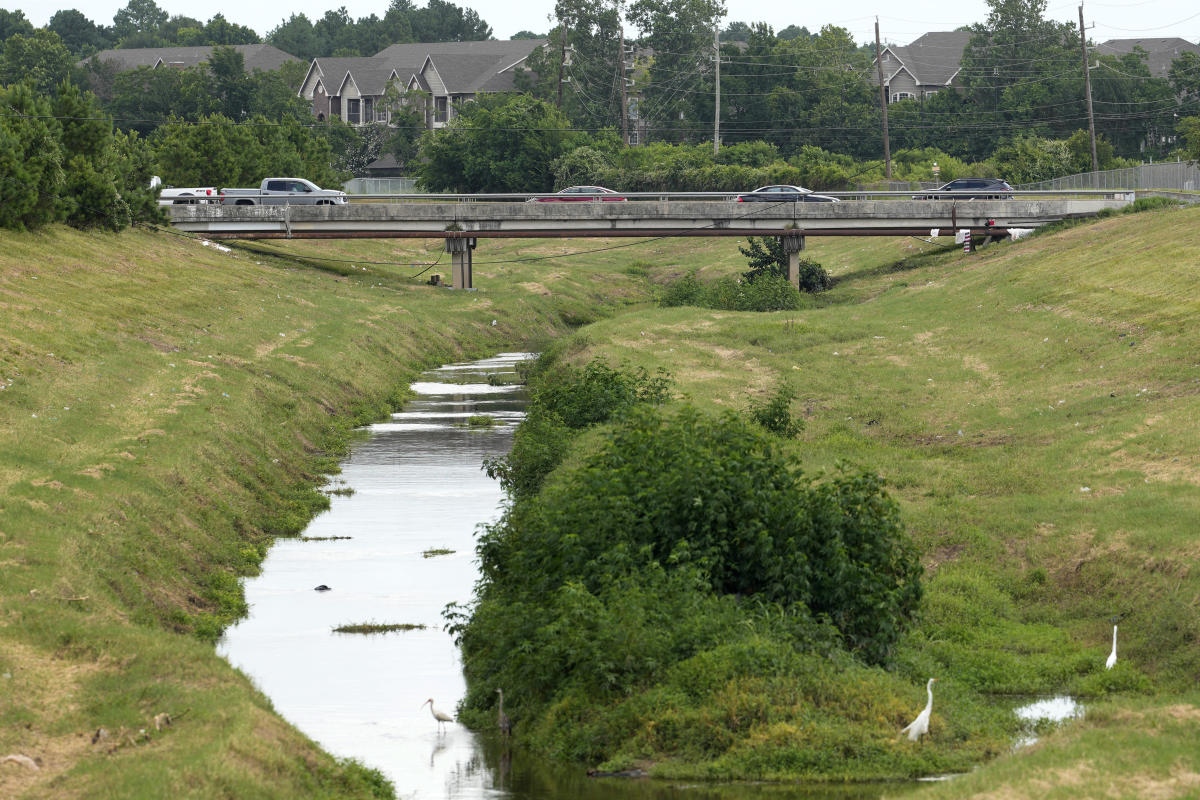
(1112, 657)
(441, 716)
(920, 726)
(502, 719)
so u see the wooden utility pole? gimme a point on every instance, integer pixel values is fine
(883, 102)
(717, 100)
(1087, 84)
(562, 58)
(624, 94)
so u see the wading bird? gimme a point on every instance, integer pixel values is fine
(920, 726)
(1112, 657)
(441, 716)
(502, 719)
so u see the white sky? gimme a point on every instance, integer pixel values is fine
(1113, 19)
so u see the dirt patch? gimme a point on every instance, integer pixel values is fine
(535, 288)
(942, 555)
(976, 365)
(52, 685)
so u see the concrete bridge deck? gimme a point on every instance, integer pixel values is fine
(471, 217)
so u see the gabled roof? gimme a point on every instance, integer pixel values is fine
(371, 74)
(933, 59)
(254, 56)
(464, 67)
(468, 74)
(1159, 52)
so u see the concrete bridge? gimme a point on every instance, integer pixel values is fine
(463, 219)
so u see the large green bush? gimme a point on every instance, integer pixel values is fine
(609, 573)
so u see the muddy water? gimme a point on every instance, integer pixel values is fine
(417, 486)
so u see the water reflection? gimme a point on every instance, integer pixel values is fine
(417, 486)
(1045, 712)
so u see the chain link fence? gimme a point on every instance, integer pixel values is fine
(1177, 176)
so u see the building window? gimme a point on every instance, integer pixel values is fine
(353, 113)
(440, 109)
(898, 96)
(930, 92)
(368, 110)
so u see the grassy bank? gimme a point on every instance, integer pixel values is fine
(1032, 407)
(166, 409)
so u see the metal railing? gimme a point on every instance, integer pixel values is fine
(514, 197)
(380, 186)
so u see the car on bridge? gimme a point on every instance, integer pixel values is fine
(970, 189)
(283, 192)
(781, 193)
(576, 194)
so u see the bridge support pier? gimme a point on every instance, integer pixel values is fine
(461, 251)
(793, 245)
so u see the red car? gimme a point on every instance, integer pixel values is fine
(575, 194)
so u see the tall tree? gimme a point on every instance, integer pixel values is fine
(13, 22)
(1021, 74)
(441, 21)
(680, 32)
(138, 17)
(78, 33)
(297, 37)
(221, 31)
(498, 143)
(39, 59)
(231, 85)
(31, 171)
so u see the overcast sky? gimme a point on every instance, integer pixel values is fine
(1113, 19)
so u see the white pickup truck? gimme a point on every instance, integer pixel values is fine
(283, 191)
(174, 195)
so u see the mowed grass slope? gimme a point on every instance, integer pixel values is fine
(1034, 408)
(166, 410)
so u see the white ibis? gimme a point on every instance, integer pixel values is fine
(920, 726)
(441, 716)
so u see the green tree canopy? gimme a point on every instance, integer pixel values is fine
(78, 33)
(498, 143)
(138, 17)
(39, 59)
(31, 174)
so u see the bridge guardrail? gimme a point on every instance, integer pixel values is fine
(513, 197)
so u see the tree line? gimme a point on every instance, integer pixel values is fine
(142, 23)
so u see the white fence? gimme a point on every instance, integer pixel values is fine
(380, 186)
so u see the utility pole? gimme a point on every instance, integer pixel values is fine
(562, 58)
(883, 102)
(717, 101)
(624, 94)
(1087, 83)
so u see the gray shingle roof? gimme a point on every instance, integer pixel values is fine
(464, 67)
(254, 56)
(370, 73)
(932, 59)
(1159, 52)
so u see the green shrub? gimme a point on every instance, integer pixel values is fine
(685, 291)
(775, 413)
(715, 495)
